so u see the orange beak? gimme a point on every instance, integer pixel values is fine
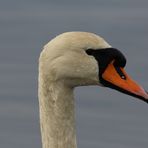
(123, 83)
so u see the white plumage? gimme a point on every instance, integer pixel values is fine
(63, 65)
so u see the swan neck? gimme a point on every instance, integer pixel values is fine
(57, 118)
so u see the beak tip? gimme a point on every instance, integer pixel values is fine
(143, 95)
(146, 97)
(146, 100)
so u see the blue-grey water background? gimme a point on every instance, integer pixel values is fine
(105, 118)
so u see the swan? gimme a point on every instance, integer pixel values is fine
(74, 59)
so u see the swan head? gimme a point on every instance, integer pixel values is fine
(82, 58)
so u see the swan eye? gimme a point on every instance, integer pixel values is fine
(90, 51)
